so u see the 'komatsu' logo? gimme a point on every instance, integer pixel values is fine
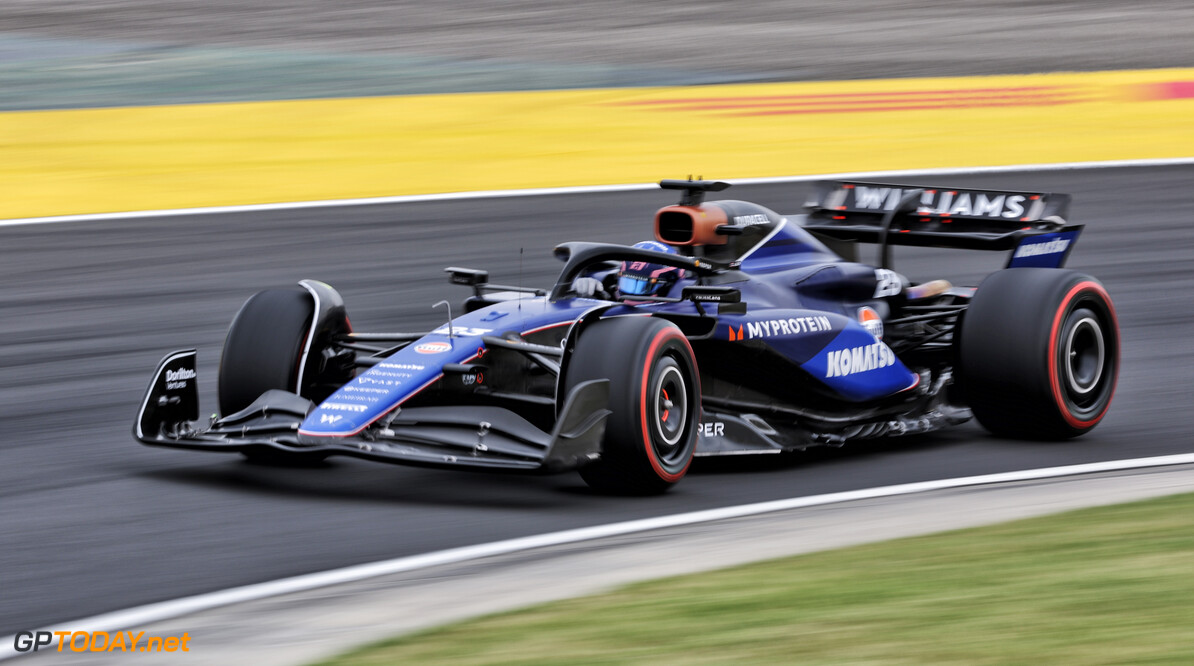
(1055, 246)
(845, 362)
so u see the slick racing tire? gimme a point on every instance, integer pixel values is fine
(262, 351)
(654, 397)
(1038, 353)
(263, 347)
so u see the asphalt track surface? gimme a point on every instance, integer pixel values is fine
(91, 521)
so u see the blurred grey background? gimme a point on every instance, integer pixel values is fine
(83, 53)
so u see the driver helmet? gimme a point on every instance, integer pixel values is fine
(639, 278)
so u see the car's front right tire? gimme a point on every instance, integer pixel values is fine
(651, 433)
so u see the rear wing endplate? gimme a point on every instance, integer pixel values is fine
(866, 212)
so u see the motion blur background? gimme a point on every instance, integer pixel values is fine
(127, 52)
(803, 95)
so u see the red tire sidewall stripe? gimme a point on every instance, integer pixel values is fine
(1054, 379)
(660, 338)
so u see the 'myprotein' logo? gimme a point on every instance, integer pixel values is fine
(790, 326)
(845, 362)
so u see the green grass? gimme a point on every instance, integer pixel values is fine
(1110, 585)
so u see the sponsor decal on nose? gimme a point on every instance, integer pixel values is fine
(871, 321)
(432, 347)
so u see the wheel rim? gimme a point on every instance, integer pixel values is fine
(669, 409)
(1084, 354)
(1086, 351)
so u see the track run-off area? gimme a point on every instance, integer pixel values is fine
(95, 523)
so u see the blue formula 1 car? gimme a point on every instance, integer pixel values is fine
(737, 331)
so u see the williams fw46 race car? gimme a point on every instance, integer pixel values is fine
(736, 331)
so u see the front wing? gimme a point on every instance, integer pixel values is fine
(476, 437)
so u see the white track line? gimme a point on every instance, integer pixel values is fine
(591, 189)
(150, 613)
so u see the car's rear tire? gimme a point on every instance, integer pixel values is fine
(654, 397)
(1038, 353)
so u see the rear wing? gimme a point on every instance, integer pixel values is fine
(888, 214)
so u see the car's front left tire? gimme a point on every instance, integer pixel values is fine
(264, 344)
(264, 350)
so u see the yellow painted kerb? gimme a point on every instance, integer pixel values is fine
(101, 160)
